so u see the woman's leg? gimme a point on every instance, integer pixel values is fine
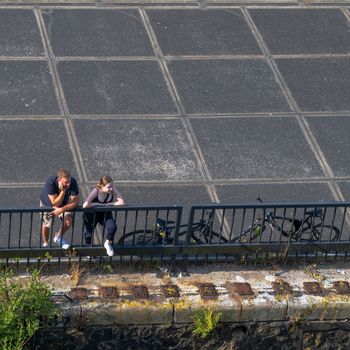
(111, 227)
(90, 221)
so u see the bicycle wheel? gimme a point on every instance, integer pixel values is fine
(325, 232)
(200, 236)
(138, 237)
(286, 226)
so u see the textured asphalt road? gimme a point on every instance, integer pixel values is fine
(179, 104)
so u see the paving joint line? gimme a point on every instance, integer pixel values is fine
(160, 59)
(105, 58)
(190, 116)
(173, 58)
(177, 100)
(325, 114)
(172, 116)
(312, 56)
(302, 122)
(74, 145)
(346, 14)
(124, 116)
(215, 182)
(31, 117)
(23, 58)
(171, 5)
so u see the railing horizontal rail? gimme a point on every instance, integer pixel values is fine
(252, 205)
(80, 209)
(181, 249)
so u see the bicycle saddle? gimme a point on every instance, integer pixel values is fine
(163, 223)
(317, 212)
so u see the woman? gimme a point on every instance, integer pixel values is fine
(104, 194)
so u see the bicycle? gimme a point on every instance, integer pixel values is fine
(162, 232)
(310, 228)
(202, 232)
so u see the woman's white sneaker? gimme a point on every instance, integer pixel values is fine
(109, 248)
(62, 242)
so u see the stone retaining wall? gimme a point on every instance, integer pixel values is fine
(287, 308)
(258, 335)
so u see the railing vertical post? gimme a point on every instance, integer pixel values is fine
(176, 234)
(190, 225)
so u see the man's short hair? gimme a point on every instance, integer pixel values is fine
(63, 173)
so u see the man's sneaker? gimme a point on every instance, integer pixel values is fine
(109, 248)
(45, 245)
(61, 241)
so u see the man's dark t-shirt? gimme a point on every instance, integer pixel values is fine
(51, 188)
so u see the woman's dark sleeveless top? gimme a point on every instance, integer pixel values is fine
(108, 199)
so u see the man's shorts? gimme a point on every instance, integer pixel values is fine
(47, 216)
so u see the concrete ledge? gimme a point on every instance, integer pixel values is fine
(139, 298)
(200, 4)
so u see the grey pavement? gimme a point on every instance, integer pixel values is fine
(177, 102)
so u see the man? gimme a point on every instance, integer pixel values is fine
(60, 192)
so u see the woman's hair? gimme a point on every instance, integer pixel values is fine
(104, 180)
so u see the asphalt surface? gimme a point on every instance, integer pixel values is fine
(179, 104)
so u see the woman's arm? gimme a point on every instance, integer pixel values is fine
(88, 201)
(119, 200)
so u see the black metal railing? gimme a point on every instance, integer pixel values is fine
(237, 232)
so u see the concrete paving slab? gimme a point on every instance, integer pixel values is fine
(137, 150)
(19, 34)
(83, 32)
(198, 32)
(242, 193)
(123, 87)
(184, 195)
(332, 136)
(227, 86)
(167, 194)
(251, 148)
(31, 150)
(26, 88)
(303, 31)
(247, 147)
(345, 189)
(19, 197)
(318, 84)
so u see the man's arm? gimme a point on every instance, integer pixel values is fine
(56, 200)
(74, 201)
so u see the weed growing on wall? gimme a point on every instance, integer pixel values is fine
(205, 321)
(21, 308)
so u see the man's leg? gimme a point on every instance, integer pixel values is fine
(66, 224)
(46, 223)
(67, 220)
(45, 231)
